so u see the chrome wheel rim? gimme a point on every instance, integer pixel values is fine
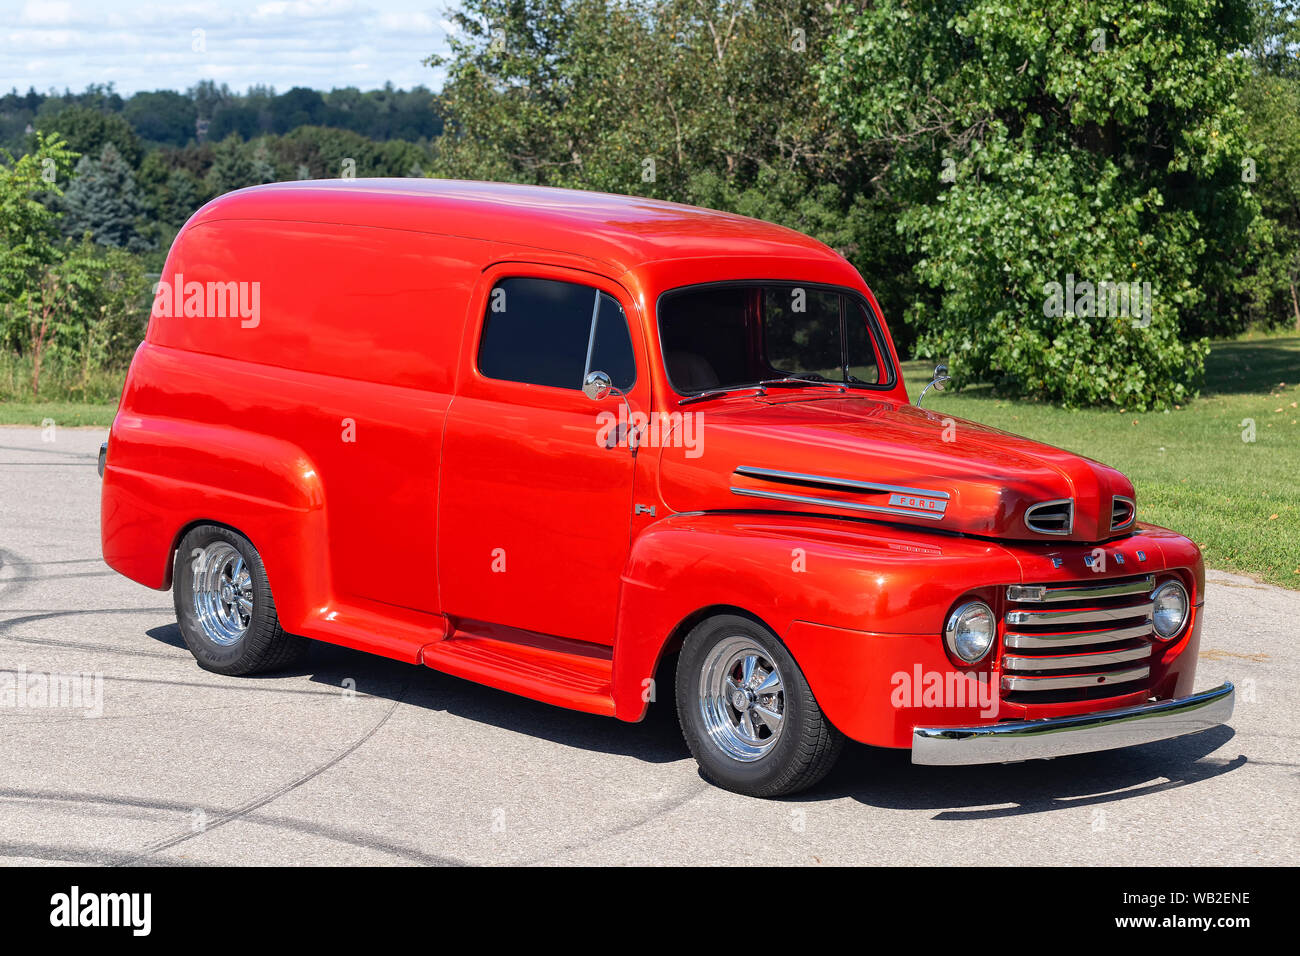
(742, 699)
(223, 593)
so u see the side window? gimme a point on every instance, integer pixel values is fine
(861, 346)
(546, 332)
(611, 344)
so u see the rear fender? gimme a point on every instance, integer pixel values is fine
(163, 476)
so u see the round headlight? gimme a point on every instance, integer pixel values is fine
(970, 631)
(1170, 610)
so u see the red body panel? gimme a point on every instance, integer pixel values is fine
(407, 505)
(989, 476)
(535, 512)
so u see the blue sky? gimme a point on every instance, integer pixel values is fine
(282, 43)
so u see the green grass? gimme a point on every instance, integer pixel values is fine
(1240, 501)
(65, 414)
(68, 394)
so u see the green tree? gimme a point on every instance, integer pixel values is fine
(1275, 36)
(1045, 142)
(232, 167)
(170, 189)
(299, 107)
(28, 226)
(1272, 107)
(164, 116)
(52, 311)
(583, 92)
(323, 153)
(117, 315)
(88, 130)
(711, 102)
(102, 201)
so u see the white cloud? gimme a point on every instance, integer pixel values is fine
(303, 9)
(148, 45)
(41, 13)
(406, 20)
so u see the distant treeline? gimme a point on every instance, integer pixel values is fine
(208, 112)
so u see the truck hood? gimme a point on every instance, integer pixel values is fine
(863, 458)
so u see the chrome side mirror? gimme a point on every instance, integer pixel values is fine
(940, 376)
(597, 386)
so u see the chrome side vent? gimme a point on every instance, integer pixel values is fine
(1122, 512)
(1051, 517)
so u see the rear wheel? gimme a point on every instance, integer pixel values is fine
(747, 712)
(224, 605)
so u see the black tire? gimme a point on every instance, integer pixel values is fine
(263, 645)
(807, 745)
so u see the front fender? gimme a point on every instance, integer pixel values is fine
(788, 570)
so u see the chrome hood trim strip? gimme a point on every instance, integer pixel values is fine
(902, 500)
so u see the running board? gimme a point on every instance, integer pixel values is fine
(553, 670)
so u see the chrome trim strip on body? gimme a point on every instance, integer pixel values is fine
(1068, 529)
(1113, 635)
(1081, 733)
(848, 484)
(1074, 681)
(1096, 615)
(1047, 593)
(1085, 659)
(835, 503)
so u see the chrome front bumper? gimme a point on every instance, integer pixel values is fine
(1082, 733)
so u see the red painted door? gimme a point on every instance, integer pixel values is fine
(534, 507)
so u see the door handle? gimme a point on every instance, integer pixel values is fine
(618, 433)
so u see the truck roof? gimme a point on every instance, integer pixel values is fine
(623, 231)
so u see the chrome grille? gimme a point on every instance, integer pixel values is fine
(1077, 641)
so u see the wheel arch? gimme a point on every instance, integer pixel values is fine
(672, 645)
(186, 529)
(687, 568)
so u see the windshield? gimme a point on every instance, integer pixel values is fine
(737, 335)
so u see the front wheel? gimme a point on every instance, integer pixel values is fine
(747, 712)
(224, 605)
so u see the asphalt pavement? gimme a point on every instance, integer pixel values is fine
(353, 759)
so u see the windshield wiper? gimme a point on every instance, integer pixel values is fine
(790, 381)
(712, 393)
(793, 381)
